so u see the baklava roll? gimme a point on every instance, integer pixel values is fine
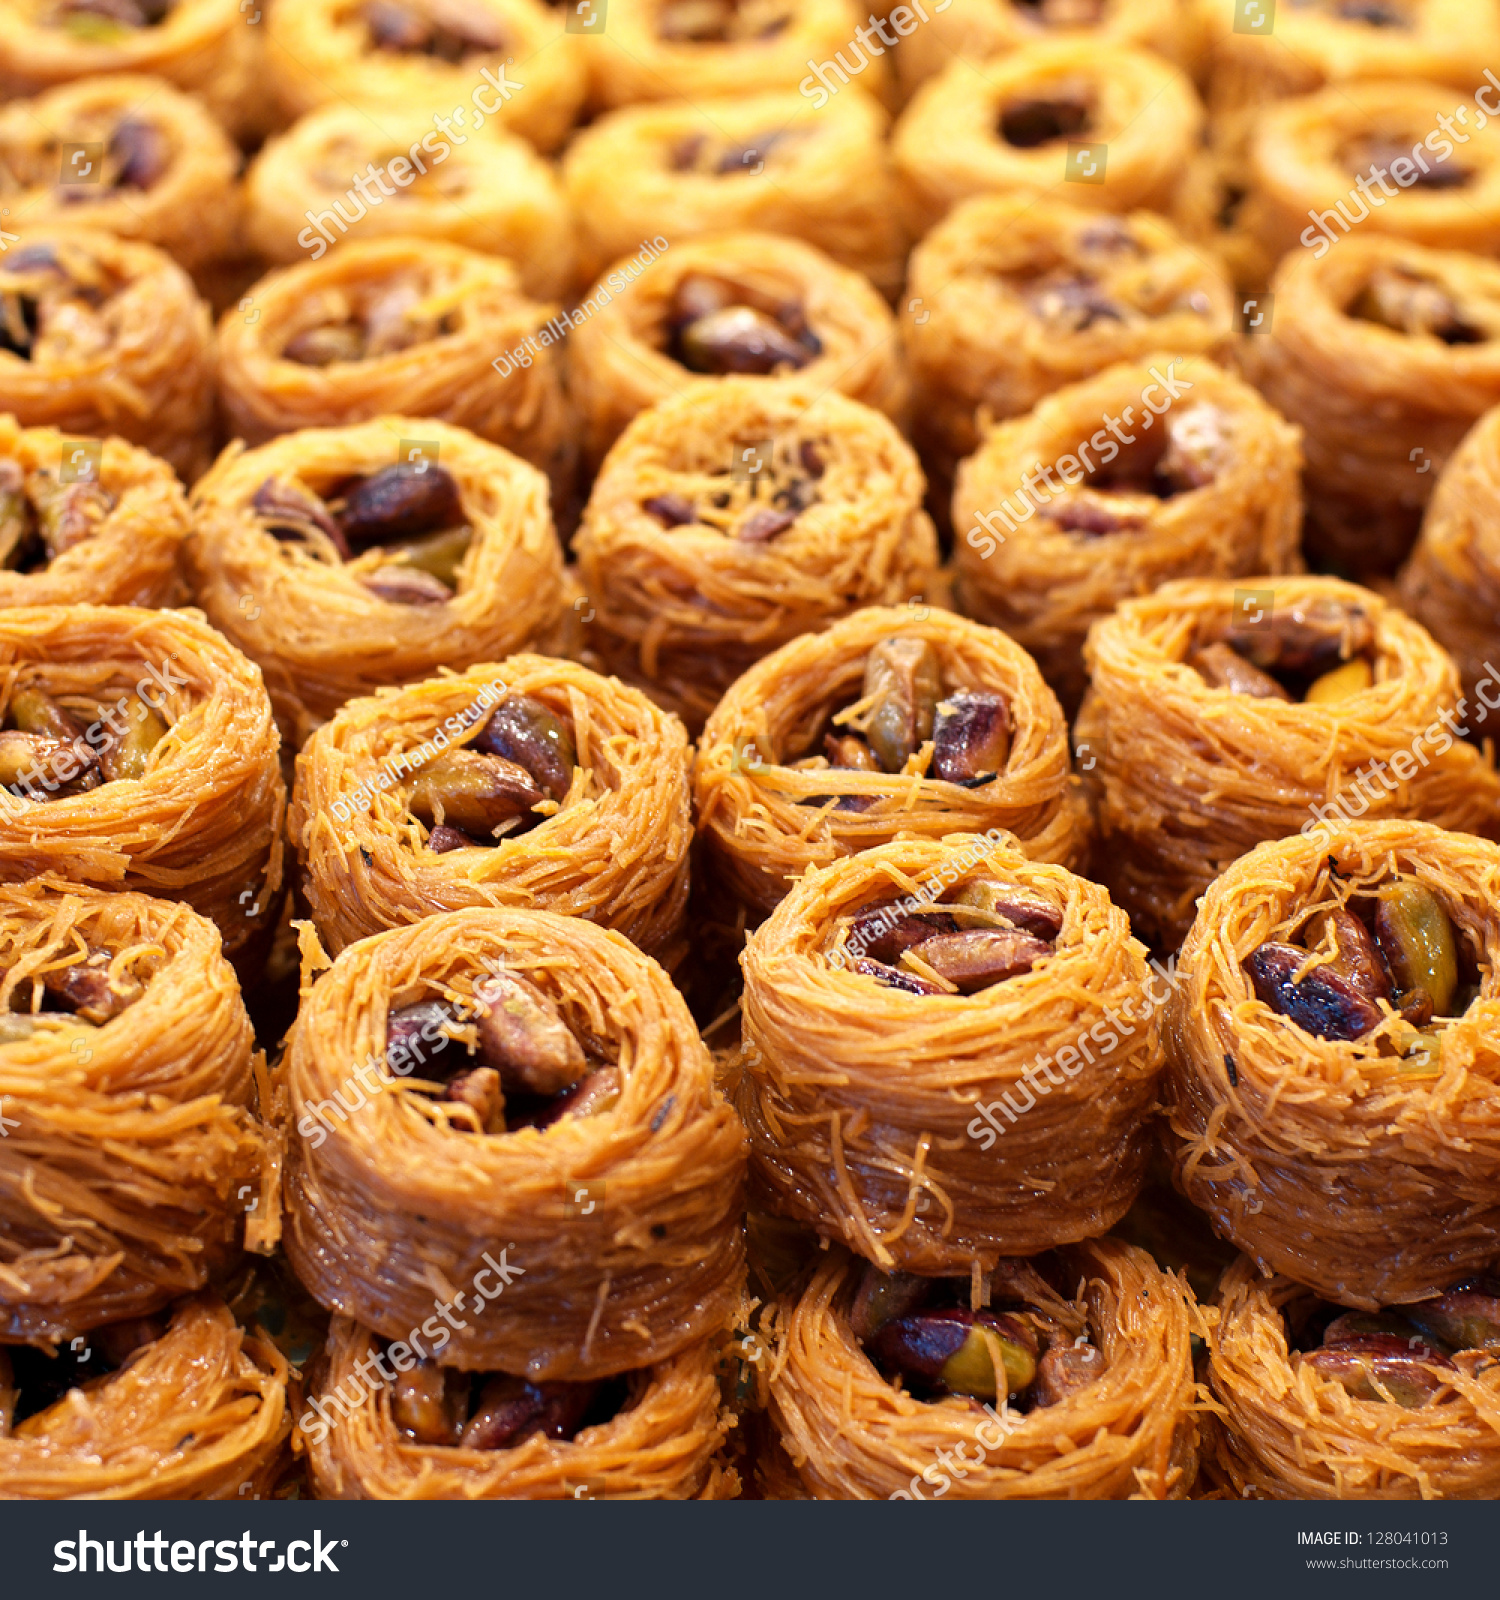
(736, 517)
(312, 187)
(209, 48)
(769, 162)
(655, 49)
(100, 335)
(1011, 297)
(407, 326)
(1209, 208)
(1384, 354)
(1451, 583)
(733, 304)
(191, 1409)
(1216, 491)
(132, 1158)
(129, 155)
(978, 29)
(1118, 124)
(138, 751)
(904, 719)
(1332, 1058)
(562, 790)
(906, 1012)
(1323, 164)
(1069, 1378)
(1221, 715)
(340, 566)
(109, 536)
(423, 1431)
(512, 1105)
(1323, 1404)
(432, 54)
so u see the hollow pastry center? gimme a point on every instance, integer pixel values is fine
(757, 498)
(71, 1000)
(506, 1061)
(52, 748)
(1101, 282)
(107, 150)
(372, 320)
(970, 939)
(1373, 13)
(1061, 110)
(54, 304)
(1402, 1355)
(1062, 13)
(721, 157)
(721, 21)
(717, 326)
(436, 1405)
(1422, 306)
(514, 773)
(1026, 1347)
(448, 30)
(903, 712)
(1126, 472)
(401, 530)
(1318, 651)
(41, 517)
(33, 1380)
(1390, 953)
(104, 21)
(1390, 155)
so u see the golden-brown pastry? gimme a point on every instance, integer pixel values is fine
(1451, 583)
(86, 520)
(491, 60)
(1320, 1409)
(140, 753)
(769, 162)
(828, 747)
(1214, 491)
(312, 187)
(578, 1166)
(1222, 714)
(779, 308)
(950, 1055)
(1383, 353)
(198, 1411)
(1100, 1335)
(1012, 296)
(1117, 124)
(736, 517)
(339, 566)
(100, 335)
(435, 1433)
(406, 326)
(390, 826)
(1333, 1081)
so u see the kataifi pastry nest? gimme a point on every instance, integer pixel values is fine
(770, 162)
(615, 849)
(320, 636)
(1188, 777)
(766, 824)
(132, 1156)
(665, 1442)
(125, 345)
(1352, 1171)
(440, 316)
(620, 359)
(1011, 123)
(1129, 1435)
(203, 824)
(861, 1098)
(1216, 491)
(131, 556)
(684, 606)
(1381, 405)
(198, 1414)
(386, 1202)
